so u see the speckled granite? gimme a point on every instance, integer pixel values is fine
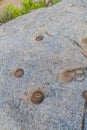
(56, 65)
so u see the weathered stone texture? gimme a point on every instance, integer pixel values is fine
(50, 46)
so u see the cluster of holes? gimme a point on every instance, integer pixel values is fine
(67, 76)
(37, 96)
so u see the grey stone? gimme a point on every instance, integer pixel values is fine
(54, 63)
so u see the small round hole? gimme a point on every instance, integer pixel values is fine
(37, 97)
(19, 73)
(84, 94)
(39, 38)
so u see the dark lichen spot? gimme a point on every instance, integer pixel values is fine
(37, 97)
(84, 94)
(19, 73)
(39, 38)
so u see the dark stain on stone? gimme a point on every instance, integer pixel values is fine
(19, 73)
(39, 38)
(76, 43)
(37, 97)
(83, 121)
(84, 53)
(84, 124)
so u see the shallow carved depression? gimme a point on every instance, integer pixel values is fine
(39, 38)
(37, 97)
(69, 75)
(19, 73)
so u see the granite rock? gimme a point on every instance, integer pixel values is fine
(44, 51)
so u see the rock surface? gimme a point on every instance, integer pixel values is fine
(45, 51)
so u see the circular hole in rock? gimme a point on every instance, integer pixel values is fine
(37, 97)
(19, 73)
(39, 38)
(84, 94)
